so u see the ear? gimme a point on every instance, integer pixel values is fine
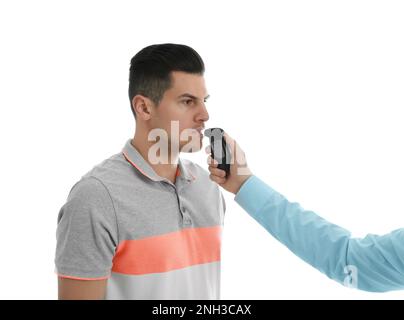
(142, 106)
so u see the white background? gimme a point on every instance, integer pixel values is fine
(312, 90)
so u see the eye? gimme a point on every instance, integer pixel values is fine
(188, 102)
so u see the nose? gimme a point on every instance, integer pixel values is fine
(203, 114)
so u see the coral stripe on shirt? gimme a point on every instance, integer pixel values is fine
(168, 252)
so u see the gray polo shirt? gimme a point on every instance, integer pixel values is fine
(150, 238)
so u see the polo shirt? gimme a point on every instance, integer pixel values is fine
(150, 238)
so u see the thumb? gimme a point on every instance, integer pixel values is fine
(231, 145)
(230, 142)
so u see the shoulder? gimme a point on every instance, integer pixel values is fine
(88, 203)
(88, 187)
(109, 175)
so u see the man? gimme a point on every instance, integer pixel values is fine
(145, 224)
(374, 263)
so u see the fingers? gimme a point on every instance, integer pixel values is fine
(217, 172)
(228, 139)
(216, 175)
(218, 180)
(212, 162)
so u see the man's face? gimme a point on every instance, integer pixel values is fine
(182, 111)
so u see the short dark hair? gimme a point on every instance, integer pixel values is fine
(151, 67)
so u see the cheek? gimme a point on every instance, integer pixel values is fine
(167, 111)
(186, 128)
(166, 120)
(174, 118)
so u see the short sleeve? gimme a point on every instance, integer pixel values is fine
(87, 232)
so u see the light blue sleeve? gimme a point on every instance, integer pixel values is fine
(374, 263)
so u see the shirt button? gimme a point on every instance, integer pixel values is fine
(187, 221)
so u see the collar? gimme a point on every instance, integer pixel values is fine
(136, 160)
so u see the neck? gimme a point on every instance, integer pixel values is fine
(165, 170)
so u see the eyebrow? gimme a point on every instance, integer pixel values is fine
(188, 95)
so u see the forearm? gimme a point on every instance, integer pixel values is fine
(325, 246)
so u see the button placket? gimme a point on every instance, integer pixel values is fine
(180, 207)
(186, 218)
